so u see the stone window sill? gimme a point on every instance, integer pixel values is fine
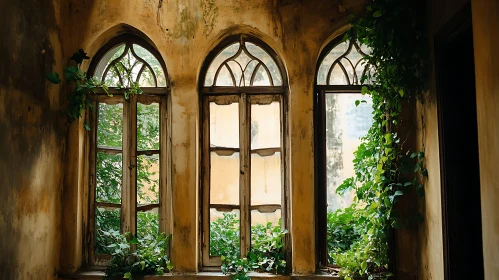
(94, 275)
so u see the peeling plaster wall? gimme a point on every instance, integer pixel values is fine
(185, 31)
(32, 140)
(486, 40)
(430, 248)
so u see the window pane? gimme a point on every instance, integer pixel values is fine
(147, 179)
(110, 125)
(345, 124)
(148, 223)
(341, 58)
(111, 55)
(268, 61)
(265, 126)
(258, 218)
(224, 179)
(106, 220)
(153, 62)
(266, 179)
(219, 59)
(224, 125)
(148, 126)
(224, 233)
(108, 178)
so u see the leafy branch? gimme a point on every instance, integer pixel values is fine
(149, 257)
(84, 88)
(384, 171)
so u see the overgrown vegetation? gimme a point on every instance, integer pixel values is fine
(148, 257)
(84, 88)
(384, 169)
(266, 254)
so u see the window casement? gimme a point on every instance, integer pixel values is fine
(128, 146)
(243, 150)
(339, 124)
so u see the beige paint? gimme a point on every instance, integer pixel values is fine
(430, 246)
(185, 31)
(486, 40)
(32, 141)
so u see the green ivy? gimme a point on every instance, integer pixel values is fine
(394, 30)
(84, 88)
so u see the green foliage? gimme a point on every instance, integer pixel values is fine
(149, 257)
(384, 171)
(344, 228)
(266, 254)
(84, 88)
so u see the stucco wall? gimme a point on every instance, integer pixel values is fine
(430, 247)
(486, 42)
(32, 140)
(185, 31)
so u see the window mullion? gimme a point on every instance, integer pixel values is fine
(128, 167)
(165, 195)
(92, 180)
(205, 172)
(244, 181)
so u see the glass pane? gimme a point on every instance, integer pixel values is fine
(110, 125)
(147, 179)
(219, 59)
(353, 64)
(148, 126)
(153, 62)
(345, 124)
(266, 179)
(265, 126)
(148, 223)
(106, 220)
(108, 178)
(224, 233)
(224, 125)
(224, 179)
(261, 77)
(111, 55)
(224, 77)
(263, 219)
(113, 78)
(146, 79)
(266, 59)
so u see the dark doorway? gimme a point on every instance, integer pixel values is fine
(461, 210)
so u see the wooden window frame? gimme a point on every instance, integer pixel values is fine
(245, 96)
(320, 158)
(129, 151)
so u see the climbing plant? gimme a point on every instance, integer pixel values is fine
(385, 170)
(84, 88)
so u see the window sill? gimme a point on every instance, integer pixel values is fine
(94, 275)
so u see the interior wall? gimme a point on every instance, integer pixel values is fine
(32, 139)
(430, 248)
(486, 42)
(185, 31)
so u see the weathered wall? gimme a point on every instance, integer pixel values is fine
(486, 43)
(185, 31)
(32, 140)
(430, 248)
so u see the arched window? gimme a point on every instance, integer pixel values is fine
(243, 90)
(342, 116)
(128, 145)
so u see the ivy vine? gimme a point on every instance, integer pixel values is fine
(385, 170)
(84, 88)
